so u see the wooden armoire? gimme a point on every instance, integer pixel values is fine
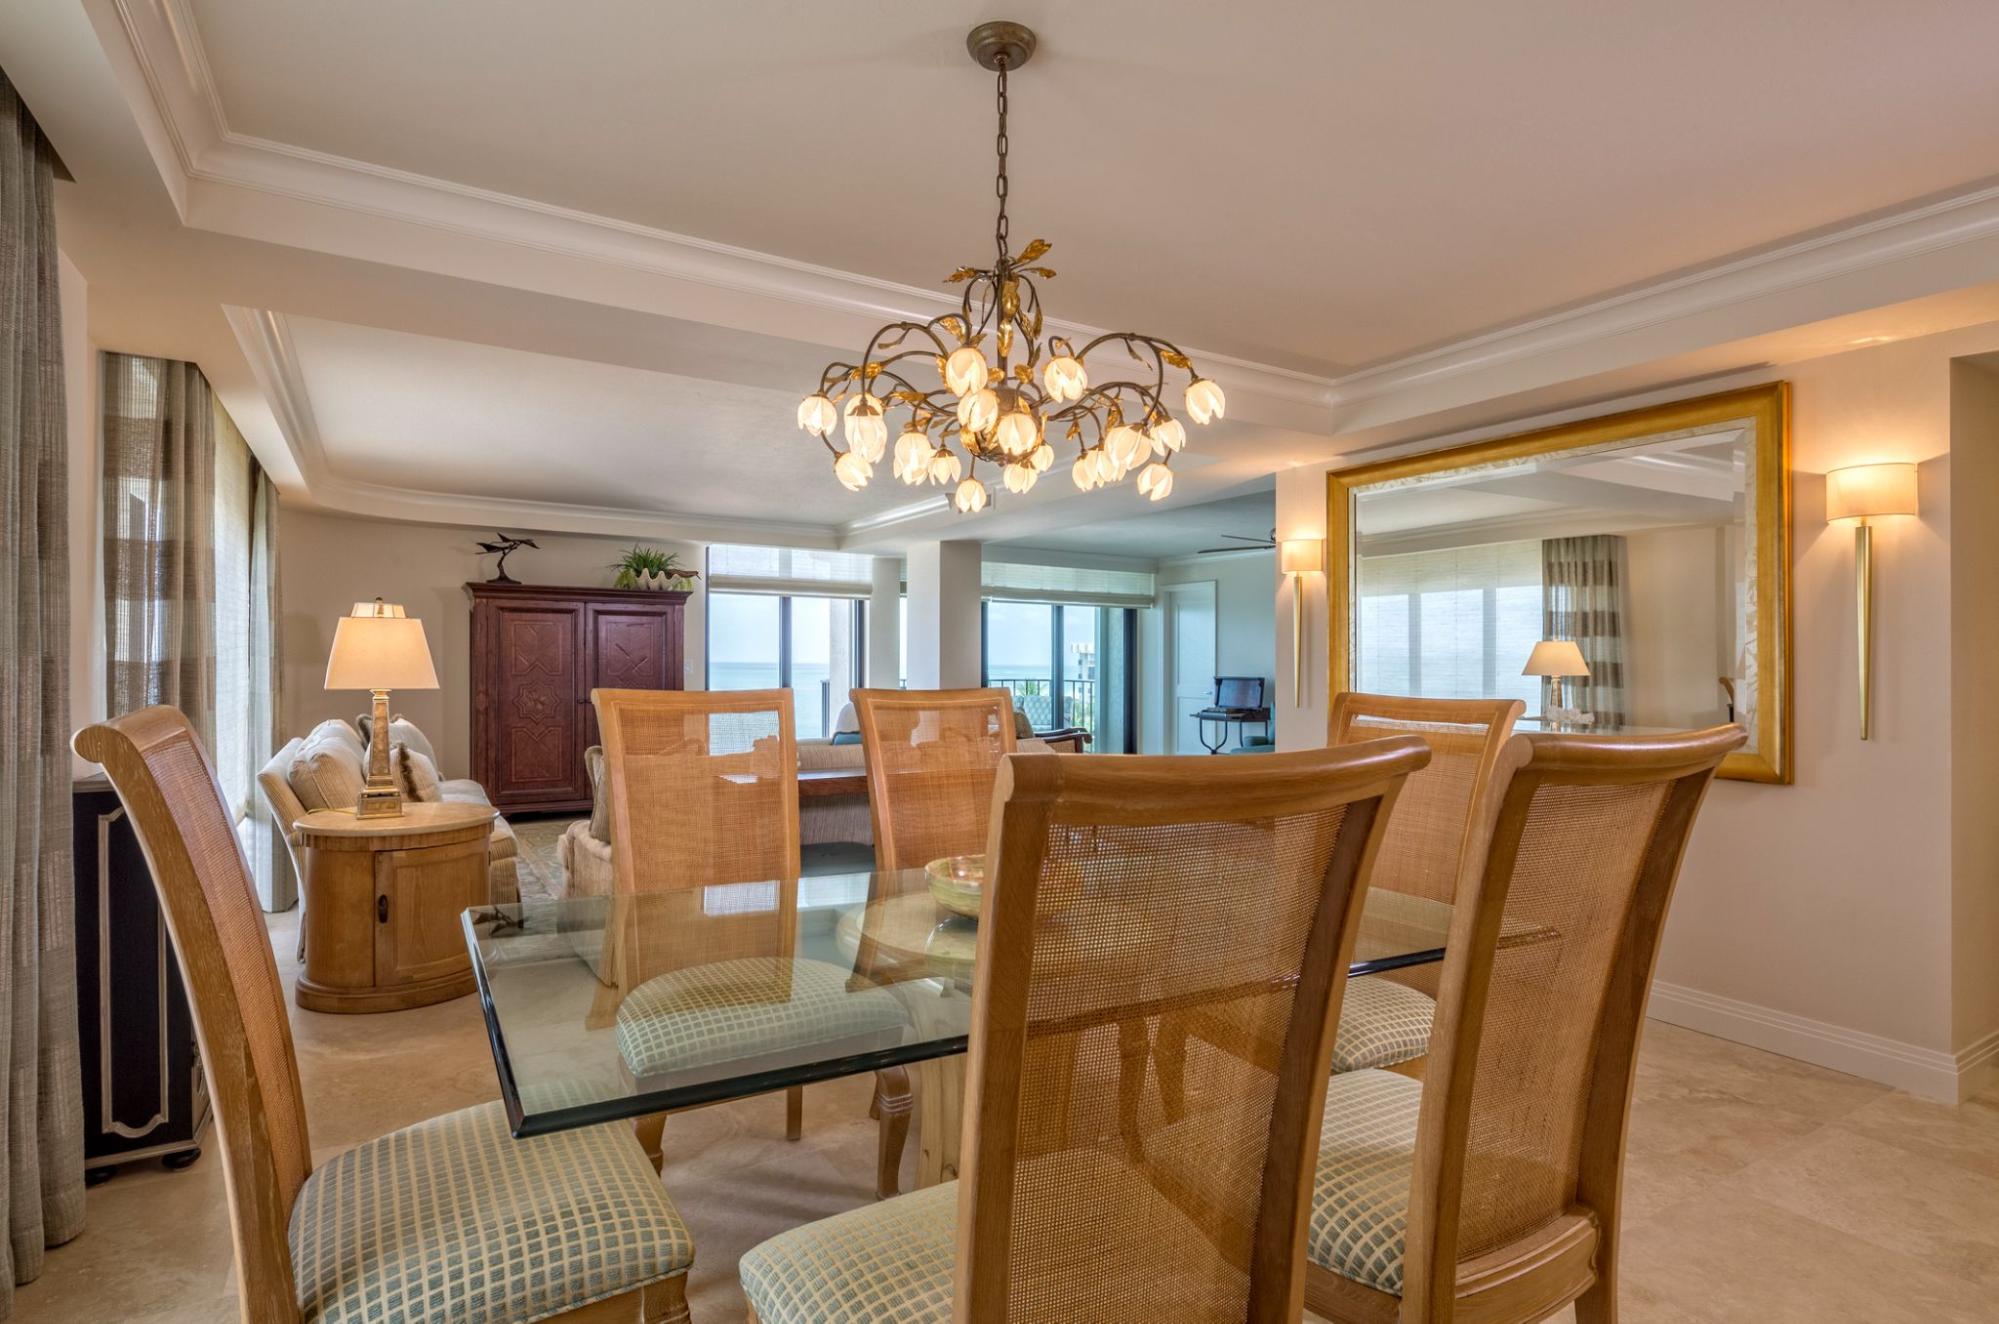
(537, 652)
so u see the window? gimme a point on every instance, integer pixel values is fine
(1456, 623)
(807, 644)
(1065, 665)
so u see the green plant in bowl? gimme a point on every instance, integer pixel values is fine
(649, 567)
(957, 882)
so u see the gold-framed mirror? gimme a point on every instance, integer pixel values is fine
(1656, 541)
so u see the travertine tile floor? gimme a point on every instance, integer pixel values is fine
(1760, 1189)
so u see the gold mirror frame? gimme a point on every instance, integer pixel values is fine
(1770, 409)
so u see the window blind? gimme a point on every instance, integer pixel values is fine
(1455, 623)
(1062, 583)
(808, 571)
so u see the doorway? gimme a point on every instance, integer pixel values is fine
(1190, 662)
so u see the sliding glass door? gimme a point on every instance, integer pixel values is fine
(809, 645)
(1066, 665)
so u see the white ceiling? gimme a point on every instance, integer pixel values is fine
(571, 267)
(1320, 185)
(1160, 533)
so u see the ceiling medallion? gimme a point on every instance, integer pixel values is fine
(1004, 411)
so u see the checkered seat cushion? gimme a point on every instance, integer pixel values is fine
(1382, 1023)
(454, 1220)
(1360, 1194)
(748, 1008)
(894, 1262)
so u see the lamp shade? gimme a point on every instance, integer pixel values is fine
(379, 648)
(1863, 491)
(1555, 657)
(1301, 556)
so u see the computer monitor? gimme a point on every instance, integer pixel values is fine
(1238, 691)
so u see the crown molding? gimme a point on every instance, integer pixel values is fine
(267, 345)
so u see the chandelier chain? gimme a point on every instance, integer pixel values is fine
(999, 183)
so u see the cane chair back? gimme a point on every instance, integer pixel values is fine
(168, 786)
(1117, 898)
(703, 786)
(932, 756)
(1520, 1144)
(1431, 837)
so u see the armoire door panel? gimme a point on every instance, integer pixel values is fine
(535, 721)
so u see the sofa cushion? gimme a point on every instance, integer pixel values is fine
(402, 731)
(335, 729)
(453, 1219)
(462, 791)
(746, 1008)
(327, 773)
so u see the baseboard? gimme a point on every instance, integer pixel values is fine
(1928, 1072)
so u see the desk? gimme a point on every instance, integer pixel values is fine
(1224, 718)
(382, 898)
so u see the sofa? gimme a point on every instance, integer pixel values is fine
(327, 767)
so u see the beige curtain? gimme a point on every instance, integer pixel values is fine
(41, 1164)
(277, 885)
(1582, 598)
(159, 531)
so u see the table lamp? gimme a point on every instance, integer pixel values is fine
(1860, 493)
(1298, 557)
(1555, 659)
(378, 648)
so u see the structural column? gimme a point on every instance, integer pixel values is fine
(885, 624)
(944, 630)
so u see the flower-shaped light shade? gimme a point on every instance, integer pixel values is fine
(965, 370)
(1205, 401)
(817, 415)
(1064, 379)
(979, 410)
(971, 497)
(1019, 430)
(853, 471)
(867, 429)
(1156, 482)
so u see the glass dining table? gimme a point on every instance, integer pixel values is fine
(602, 1008)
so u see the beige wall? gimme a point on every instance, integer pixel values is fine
(330, 562)
(1817, 919)
(1673, 627)
(1974, 704)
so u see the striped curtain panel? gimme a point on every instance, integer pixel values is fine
(41, 1098)
(159, 531)
(270, 861)
(1582, 598)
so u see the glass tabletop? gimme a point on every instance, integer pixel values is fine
(600, 1008)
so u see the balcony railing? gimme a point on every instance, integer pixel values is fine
(1036, 695)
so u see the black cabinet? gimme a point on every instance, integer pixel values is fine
(143, 1092)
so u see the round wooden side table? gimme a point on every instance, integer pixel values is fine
(382, 901)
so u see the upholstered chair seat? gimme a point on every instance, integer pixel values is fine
(895, 1262)
(453, 1219)
(747, 1008)
(1360, 1194)
(1382, 1023)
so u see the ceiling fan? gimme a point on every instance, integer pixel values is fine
(1266, 543)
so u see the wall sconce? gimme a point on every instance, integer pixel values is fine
(1861, 493)
(1298, 557)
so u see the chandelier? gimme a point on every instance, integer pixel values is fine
(1013, 410)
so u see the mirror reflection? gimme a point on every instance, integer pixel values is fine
(1607, 579)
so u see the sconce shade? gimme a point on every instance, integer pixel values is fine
(1555, 657)
(1301, 556)
(1864, 491)
(379, 648)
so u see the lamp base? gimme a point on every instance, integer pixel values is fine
(379, 802)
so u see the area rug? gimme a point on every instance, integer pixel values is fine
(540, 866)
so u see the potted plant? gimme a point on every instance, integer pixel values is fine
(651, 568)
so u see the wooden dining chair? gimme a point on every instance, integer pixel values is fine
(1490, 1190)
(932, 757)
(1121, 891)
(1388, 1017)
(447, 1220)
(703, 793)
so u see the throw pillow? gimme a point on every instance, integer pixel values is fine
(600, 794)
(335, 729)
(419, 775)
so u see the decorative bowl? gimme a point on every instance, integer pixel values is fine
(957, 882)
